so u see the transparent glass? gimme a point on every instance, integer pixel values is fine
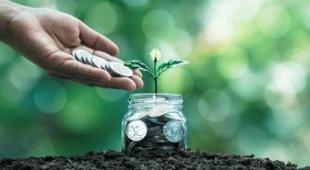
(154, 122)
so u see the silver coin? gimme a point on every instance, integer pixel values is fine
(136, 130)
(173, 131)
(105, 67)
(84, 59)
(78, 57)
(79, 54)
(75, 56)
(98, 61)
(138, 115)
(114, 68)
(173, 115)
(89, 60)
(120, 70)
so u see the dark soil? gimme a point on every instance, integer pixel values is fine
(188, 159)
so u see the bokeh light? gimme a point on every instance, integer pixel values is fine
(246, 89)
(97, 19)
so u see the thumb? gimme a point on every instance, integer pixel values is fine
(96, 41)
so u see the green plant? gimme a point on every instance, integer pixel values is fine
(157, 70)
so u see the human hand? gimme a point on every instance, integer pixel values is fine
(47, 38)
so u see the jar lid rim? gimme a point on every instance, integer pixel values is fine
(157, 94)
(166, 96)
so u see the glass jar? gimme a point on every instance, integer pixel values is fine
(154, 122)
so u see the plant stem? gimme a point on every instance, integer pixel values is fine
(155, 80)
(155, 74)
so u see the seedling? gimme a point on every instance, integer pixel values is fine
(157, 70)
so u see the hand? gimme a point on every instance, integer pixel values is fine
(48, 37)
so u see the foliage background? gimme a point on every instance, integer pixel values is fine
(246, 90)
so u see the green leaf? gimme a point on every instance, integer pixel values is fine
(170, 64)
(137, 64)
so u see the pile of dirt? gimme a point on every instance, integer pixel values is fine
(157, 159)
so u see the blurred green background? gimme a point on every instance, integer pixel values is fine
(246, 91)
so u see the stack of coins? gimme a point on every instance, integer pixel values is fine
(151, 133)
(114, 68)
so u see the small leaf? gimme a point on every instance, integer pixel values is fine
(170, 64)
(136, 64)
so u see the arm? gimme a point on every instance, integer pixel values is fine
(47, 37)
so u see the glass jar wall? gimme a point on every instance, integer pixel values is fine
(154, 122)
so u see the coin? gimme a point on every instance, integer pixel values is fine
(115, 68)
(120, 70)
(136, 130)
(107, 67)
(160, 110)
(98, 61)
(104, 67)
(173, 131)
(84, 58)
(173, 115)
(89, 59)
(137, 115)
(79, 54)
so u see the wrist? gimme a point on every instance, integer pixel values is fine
(8, 10)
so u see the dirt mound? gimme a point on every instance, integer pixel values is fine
(157, 159)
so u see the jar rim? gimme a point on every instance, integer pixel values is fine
(161, 97)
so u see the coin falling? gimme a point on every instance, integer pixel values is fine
(114, 68)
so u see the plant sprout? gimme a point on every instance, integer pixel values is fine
(157, 70)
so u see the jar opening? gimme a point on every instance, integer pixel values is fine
(155, 98)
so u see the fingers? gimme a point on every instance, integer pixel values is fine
(138, 81)
(82, 71)
(116, 83)
(137, 73)
(119, 82)
(72, 68)
(96, 41)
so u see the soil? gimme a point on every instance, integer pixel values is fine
(188, 159)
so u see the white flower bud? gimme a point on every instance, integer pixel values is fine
(155, 54)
